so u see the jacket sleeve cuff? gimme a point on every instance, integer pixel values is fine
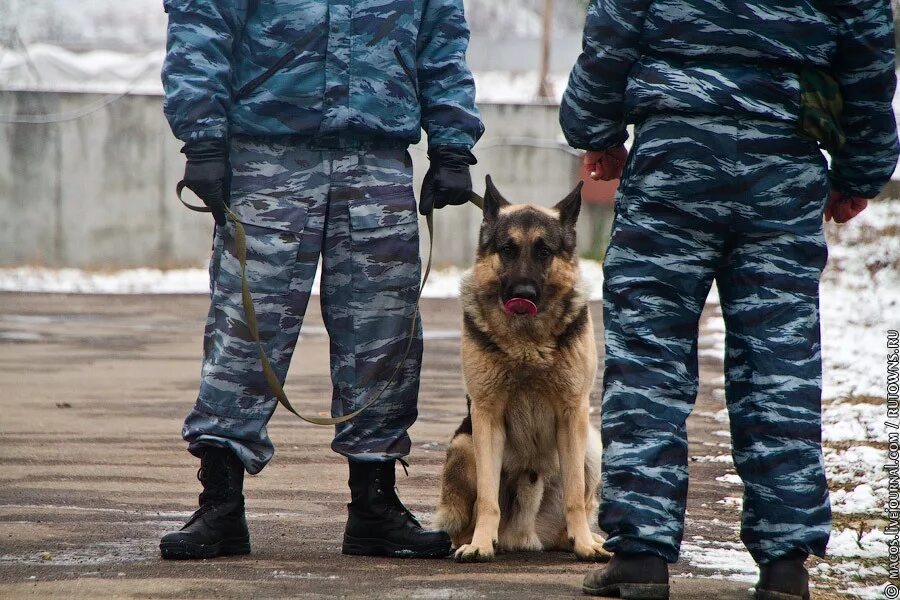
(451, 154)
(857, 189)
(215, 132)
(599, 144)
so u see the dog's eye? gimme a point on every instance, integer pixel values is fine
(507, 251)
(544, 252)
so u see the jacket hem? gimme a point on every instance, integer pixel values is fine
(336, 142)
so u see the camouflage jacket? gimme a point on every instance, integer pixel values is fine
(336, 72)
(738, 57)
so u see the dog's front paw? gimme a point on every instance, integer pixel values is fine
(592, 551)
(475, 553)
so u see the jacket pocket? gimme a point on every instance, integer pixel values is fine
(283, 61)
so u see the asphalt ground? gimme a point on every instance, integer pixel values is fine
(93, 470)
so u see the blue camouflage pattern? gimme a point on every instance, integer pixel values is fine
(643, 58)
(356, 210)
(333, 71)
(738, 201)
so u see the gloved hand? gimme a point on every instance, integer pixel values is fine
(448, 180)
(606, 164)
(842, 208)
(208, 174)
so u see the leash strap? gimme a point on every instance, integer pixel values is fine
(240, 239)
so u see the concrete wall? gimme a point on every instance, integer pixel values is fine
(522, 54)
(98, 191)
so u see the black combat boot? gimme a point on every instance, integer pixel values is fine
(219, 527)
(379, 525)
(632, 576)
(783, 579)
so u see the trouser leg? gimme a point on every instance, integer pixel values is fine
(768, 286)
(370, 283)
(279, 192)
(665, 247)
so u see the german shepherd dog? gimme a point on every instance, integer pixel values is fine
(523, 468)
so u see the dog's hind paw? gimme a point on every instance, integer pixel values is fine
(473, 553)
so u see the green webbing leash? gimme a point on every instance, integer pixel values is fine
(240, 241)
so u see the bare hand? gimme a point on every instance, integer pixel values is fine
(842, 208)
(606, 164)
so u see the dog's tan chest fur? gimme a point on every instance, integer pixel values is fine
(530, 426)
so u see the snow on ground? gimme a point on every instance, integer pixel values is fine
(872, 592)
(730, 558)
(860, 298)
(854, 544)
(442, 283)
(132, 281)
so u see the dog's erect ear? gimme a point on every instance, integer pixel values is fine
(493, 200)
(570, 206)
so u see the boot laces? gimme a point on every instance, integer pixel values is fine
(204, 505)
(215, 490)
(214, 487)
(397, 504)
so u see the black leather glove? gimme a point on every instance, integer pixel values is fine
(448, 180)
(208, 174)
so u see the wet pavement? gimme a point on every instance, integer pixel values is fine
(93, 469)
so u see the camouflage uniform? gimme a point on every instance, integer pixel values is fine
(321, 70)
(722, 185)
(319, 103)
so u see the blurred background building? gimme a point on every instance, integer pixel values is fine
(88, 166)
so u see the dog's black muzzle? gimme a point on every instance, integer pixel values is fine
(527, 290)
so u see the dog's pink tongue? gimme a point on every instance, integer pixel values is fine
(520, 306)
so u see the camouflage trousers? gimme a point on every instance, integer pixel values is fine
(739, 202)
(356, 210)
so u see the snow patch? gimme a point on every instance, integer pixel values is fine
(849, 543)
(853, 422)
(730, 478)
(737, 503)
(77, 281)
(861, 499)
(860, 290)
(726, 559)
(872, 592)
(443, 283)
(721, 458)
